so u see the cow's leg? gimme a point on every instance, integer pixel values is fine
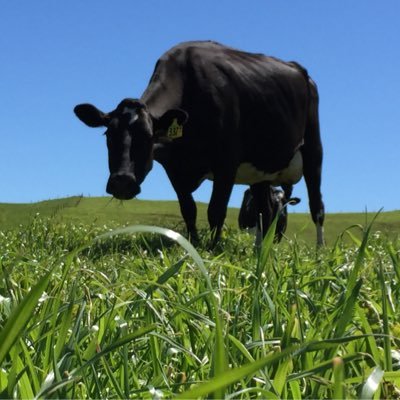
(217, 208)
(183, 190)
(189, 214)
(264, 208)
(247, 213)
(312, 166)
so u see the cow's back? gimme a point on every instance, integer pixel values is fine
(255, 102)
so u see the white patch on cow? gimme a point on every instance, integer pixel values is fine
(279, 196)
(132, 113)
(247, 174)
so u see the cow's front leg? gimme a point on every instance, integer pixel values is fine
(221, 192)
(183, 189)
(189, 214)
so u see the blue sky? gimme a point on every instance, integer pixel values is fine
(55, 55)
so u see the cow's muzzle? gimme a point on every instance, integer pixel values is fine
(123, 186)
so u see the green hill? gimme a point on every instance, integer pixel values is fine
(106, 211)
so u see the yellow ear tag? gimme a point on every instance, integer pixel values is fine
(175, 130)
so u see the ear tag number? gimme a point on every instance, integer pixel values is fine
(175, 130)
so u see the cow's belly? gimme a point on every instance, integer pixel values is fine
(247, 174)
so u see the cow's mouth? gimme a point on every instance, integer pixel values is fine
(123, 186)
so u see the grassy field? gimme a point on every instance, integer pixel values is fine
(98, 211)
(145, 315)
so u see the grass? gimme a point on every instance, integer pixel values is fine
(145, 315)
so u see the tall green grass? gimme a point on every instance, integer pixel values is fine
(86, 312)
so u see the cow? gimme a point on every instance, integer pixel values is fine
(280, 198)
(215, 112)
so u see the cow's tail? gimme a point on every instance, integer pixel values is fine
(312, 157)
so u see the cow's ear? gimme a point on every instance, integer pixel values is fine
(170, 125)
(294, 200)
(91, 115)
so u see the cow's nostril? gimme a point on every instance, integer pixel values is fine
(123, 186)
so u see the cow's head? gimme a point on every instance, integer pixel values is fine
(131, 133)
(280, 203)
(248, 215)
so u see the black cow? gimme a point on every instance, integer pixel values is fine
(280, 199)
(214, 112)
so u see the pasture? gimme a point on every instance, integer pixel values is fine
(97, 211)
(145, 315)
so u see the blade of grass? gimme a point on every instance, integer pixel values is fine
(330, 343)
(395, 257)
(348, 309)
(323, 367)
(372, 383)
(385, 319)
(295, 389)
(345, 317)
(24, 383)
(21, 315)
(115, 345)
(266, 246)
(338, 378)
(262, 261)
(369, 334)
(65, 324)
(111, 377)
(33, 374)
(259, 392)
(169, 273)
(242, 348)
(219, 383)
(360, 257)
(280, 378)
